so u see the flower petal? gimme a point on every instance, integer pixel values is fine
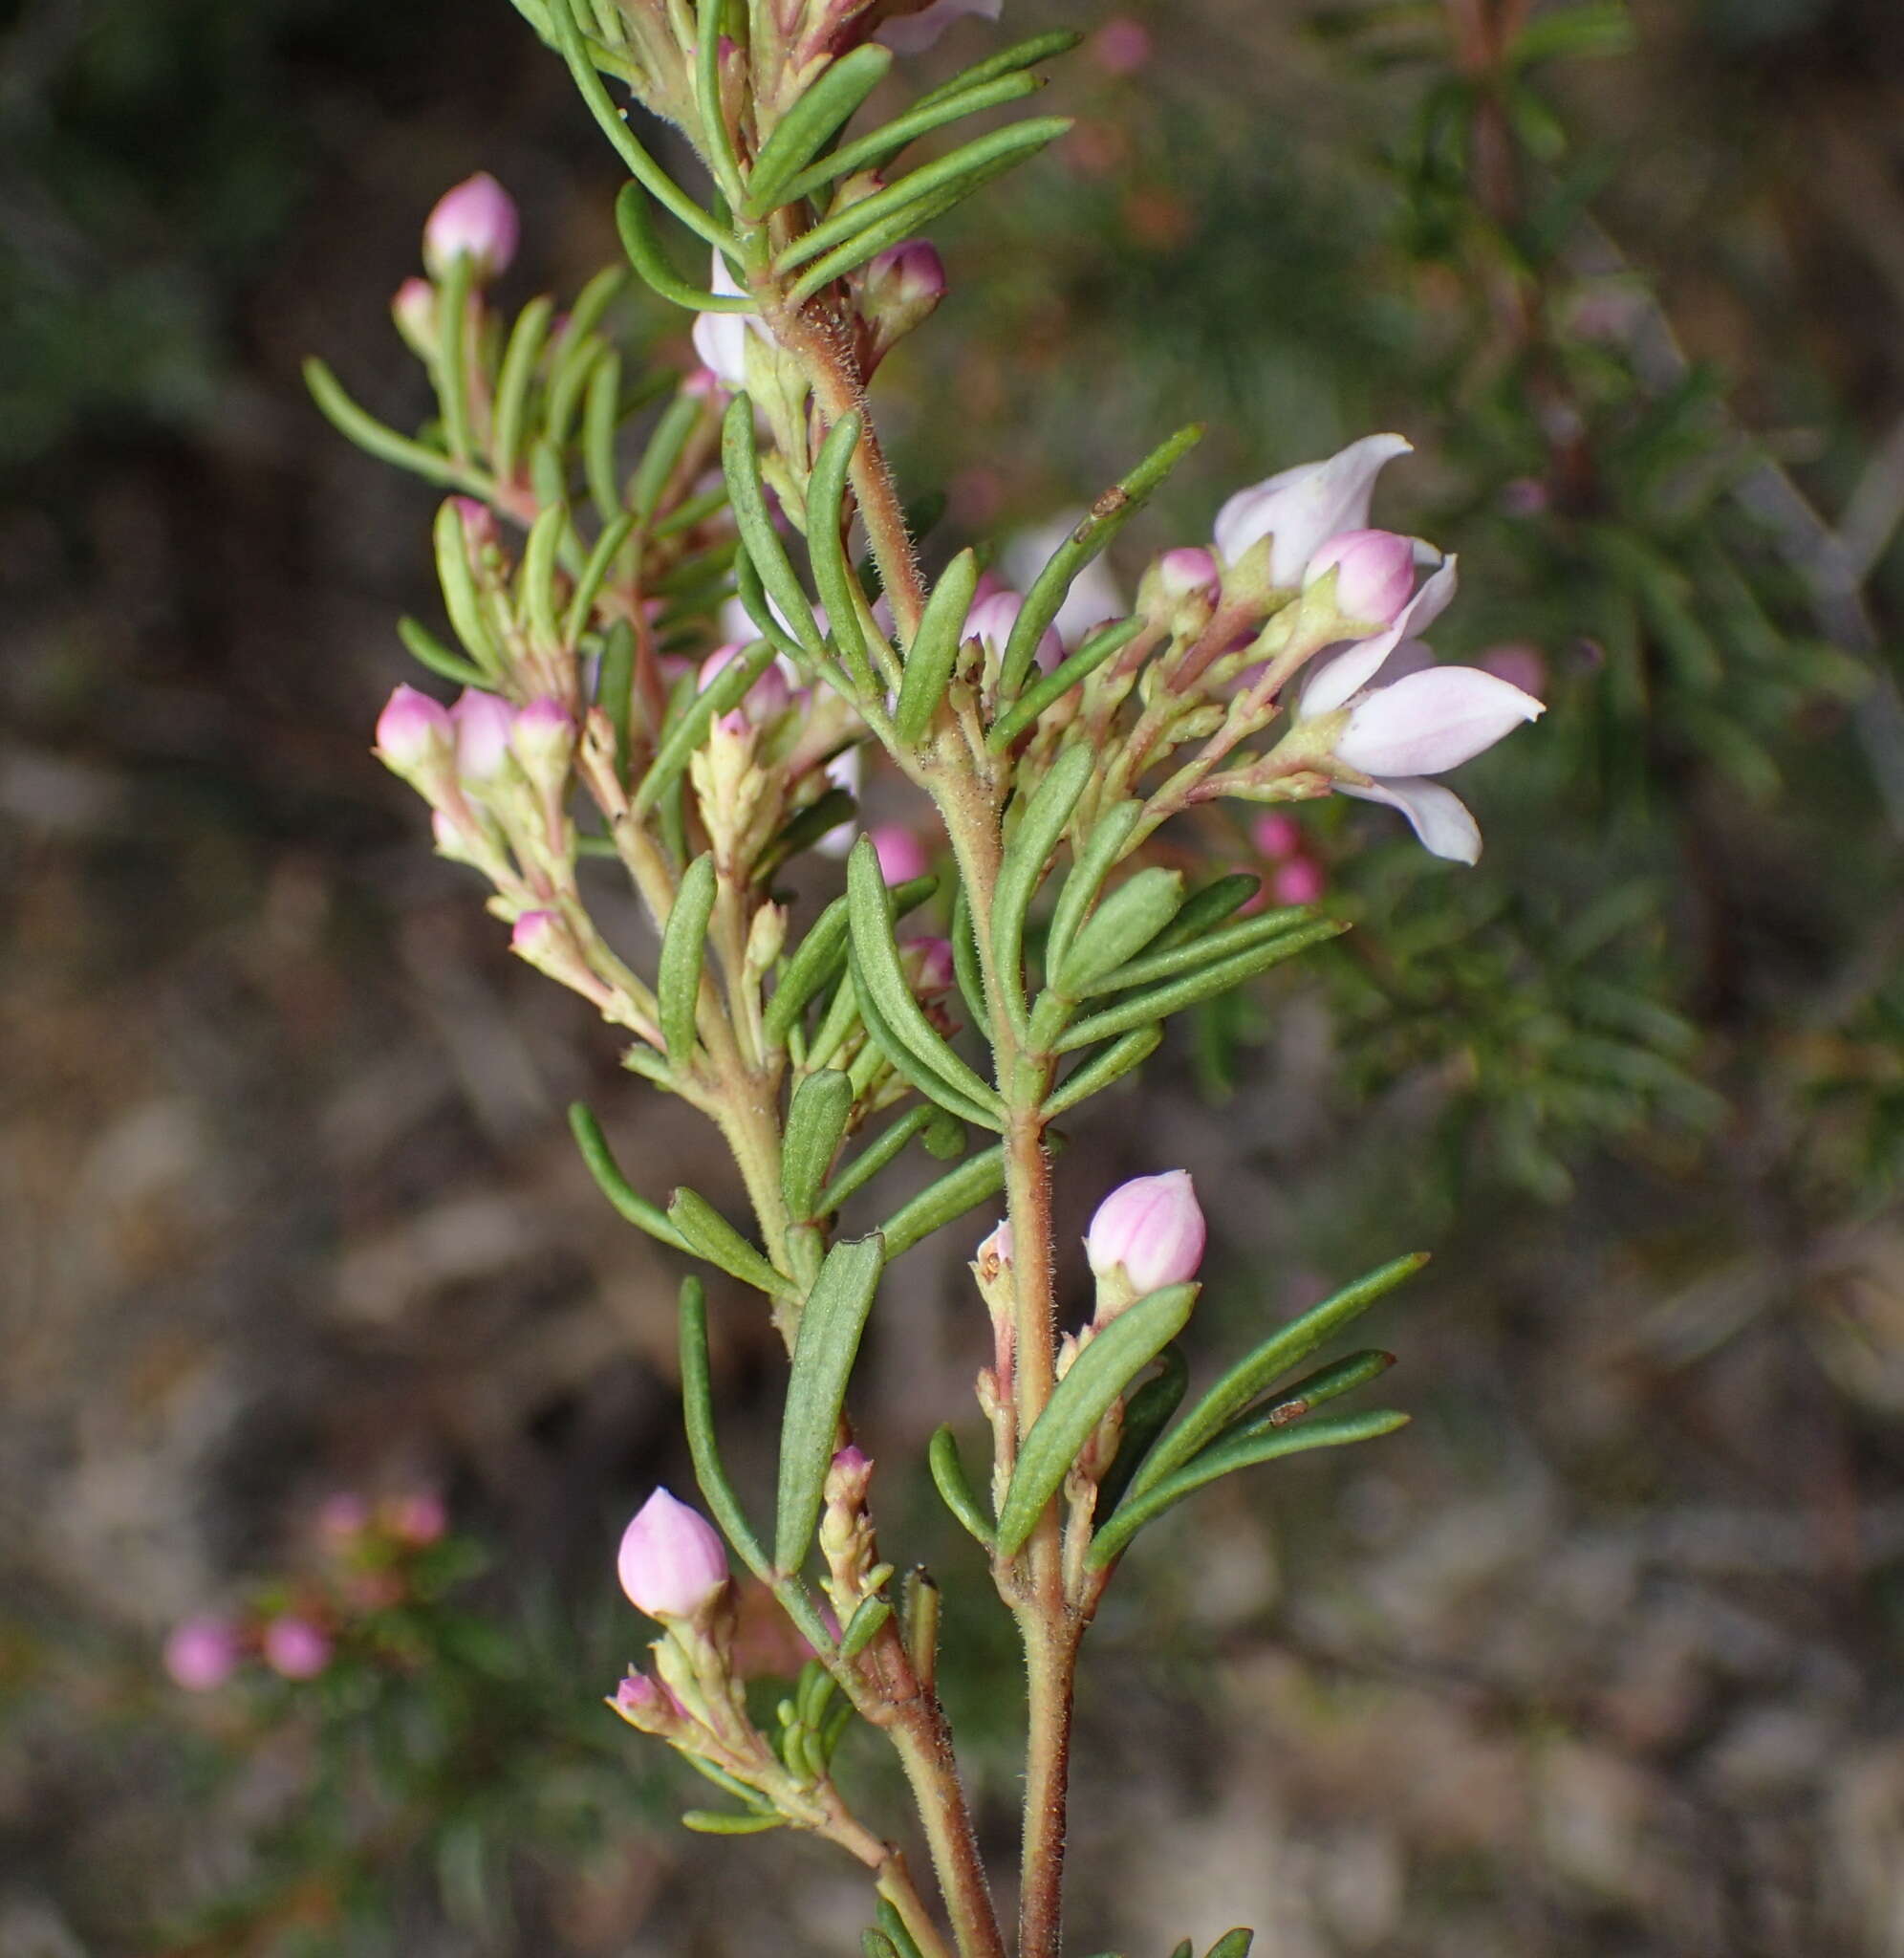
(1349, 670)
(1438, 815)
(1303, 508)
(1430, 722)
(912, 33)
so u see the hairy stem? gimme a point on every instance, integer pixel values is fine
(924, 1746)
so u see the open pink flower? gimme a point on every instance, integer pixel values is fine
(1301, 509)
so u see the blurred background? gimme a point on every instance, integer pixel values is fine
(312, 1318)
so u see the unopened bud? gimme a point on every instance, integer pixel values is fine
(1375, 574)
(902, 287)
(413, 732)
(927, 964)
(475, 220)
(481, 531)
(484, 724)
(766, 937)
(900, 853)
(1150, 1229)
(542, 738)
(671, 1563)
(413, 310)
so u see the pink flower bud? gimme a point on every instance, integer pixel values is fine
(1153, 1228)
(1121, 45)
(484, 724)
(638, 1693)
(1301, 881)
(900, 853)
(413, 310)
(1375, 574)
(419, 1518)
(537, 935)
(202, 1654)
(927, 963)
(413, 731)
(542, 738)
(481, 531)
(475, 220)
(343, 1515)
(1276, 835)
(671, 1564)
(1189, 570)
(903, 286)
(295, 1647)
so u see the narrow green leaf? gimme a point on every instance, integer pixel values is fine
(535, 582)
(637, 227)
(665, 444)
(1102, 852)
(684, 948)
(876, 959)
(1120, 927)
(526, 340)
(709, 1235)
(863, 1626)
(1019, 140)
(594, 575)
(1186, 1949)
(966, 966)
(831, 1325)
(727, 690)
(894, 1927)
(614, 692)
(1102, 1069)
(1147, 1414)
(1022, 870)
(613, 125)
(875, 151)
(424, 646)
(1259, 1367)
(461, 597)
(613, 1185)
(740, 463)
(883, 1149)
(1234, 1944)
(797, 137)
(373, 436)
(816, 1119)
(877, 1945)
(1326, 1431)
(718, 1823)
(1167, 960)
(1009, 60)
(826, 520)
(717, 139)
(450, 370)
(601, 421)
(1100, 1373)
(934, 648)
(1159, 1002)
(1207, 908)
(820, 954)
(955, 1192)
(955, 1486)
(1313, 1391)
(805, 828)
(1053, 686)
(1108, 515)
(696, 1399)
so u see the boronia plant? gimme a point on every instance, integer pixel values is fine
(714, 618)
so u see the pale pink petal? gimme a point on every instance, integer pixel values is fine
(1438, 815)
(912, 33)
(1348, 671)
(1433, 721)
(1303, 508)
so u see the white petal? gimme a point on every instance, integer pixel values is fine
(912, 33)
(720, 345)
(1303, 508)
(1438, 815)
(1352, 669)
(1431, 722)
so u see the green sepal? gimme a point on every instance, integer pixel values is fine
(824, 1350)
(813, 121)
(637, 227)
(1120, 927)
(875, 959)
(939, 1202)
(358, 425)
(1159, 1002)
(1147, 1413)
(709, 1235)
(613, 1185)
(1260, 1368)
(684, 948)
(714, 1822)
(1009, 60)
(514, 379)
(870, 1161)
(825, 499)
(697, 1401)
(739, 464)
(1053, 686)
(1328, 1431)
(1102, 1371)
(816, 1119)
(874, 151)
(1171, 955)
(1022, 869)
(1109, 515)
(955, 1486)
(1102, 1069)
(947, 174)
(424, 647)
(934, 648)
(727, 690)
